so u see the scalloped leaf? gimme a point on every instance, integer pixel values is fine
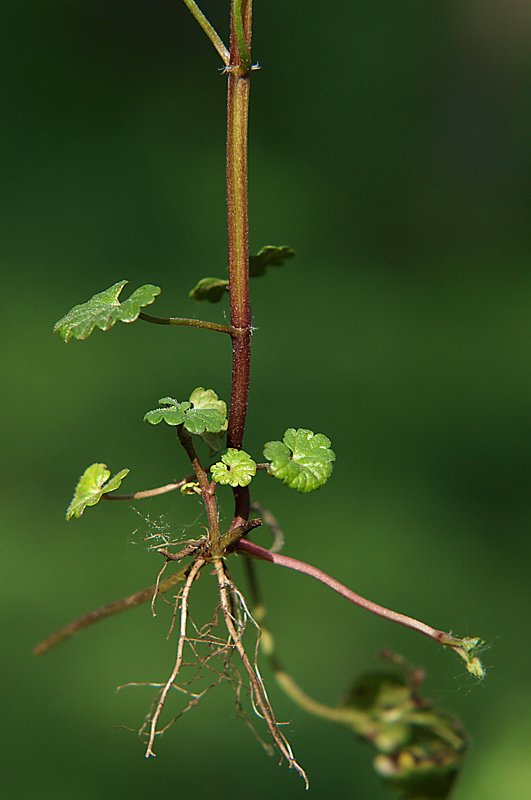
(211, 289)
(303, 460)
(207, 399)
(236, 468)
(91, 487)
(103, 310)
(203, 413)
(268, 256)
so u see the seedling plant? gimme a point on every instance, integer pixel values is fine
(415, 744)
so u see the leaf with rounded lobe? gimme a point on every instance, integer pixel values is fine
(211, 289)
(203, 413)
(103, 310)
(303, 460)
(207, 399)
(91, 487)
(173, 414)
(236, 468)
(268, 256)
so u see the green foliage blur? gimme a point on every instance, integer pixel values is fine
(389, 149)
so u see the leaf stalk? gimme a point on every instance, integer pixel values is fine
(209, 30)
(191, 323)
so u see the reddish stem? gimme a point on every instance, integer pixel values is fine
(238, 241)
(255, 550)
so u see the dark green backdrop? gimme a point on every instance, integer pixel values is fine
(389, 147)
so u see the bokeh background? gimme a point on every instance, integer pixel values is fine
(390, 149)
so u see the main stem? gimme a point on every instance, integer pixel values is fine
(238, 240)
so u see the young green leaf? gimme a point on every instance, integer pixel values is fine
(172, 415)
(211, 289)
(103, 310)
(203, 413)
(268, 256)
(303, 461)
(236, 468)
(203, 399)
(468, 648)
(91, 487)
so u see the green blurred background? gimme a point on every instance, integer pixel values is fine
(390, 149)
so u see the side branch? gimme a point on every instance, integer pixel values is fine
(109, 609)
(466, 648)
(301, 566)
(191, 323)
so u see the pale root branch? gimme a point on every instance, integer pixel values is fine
(156, 589)
(258, 693)
(179, 658)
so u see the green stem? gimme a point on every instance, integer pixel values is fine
(238, 236)
(191, 323)
(241, 37)
(209, 30)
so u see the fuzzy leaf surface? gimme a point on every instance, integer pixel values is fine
(236, 468)
(303, 460)
(211, 289)
(103, 310)
(91, 487)
(203, 413)
(268, 256)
